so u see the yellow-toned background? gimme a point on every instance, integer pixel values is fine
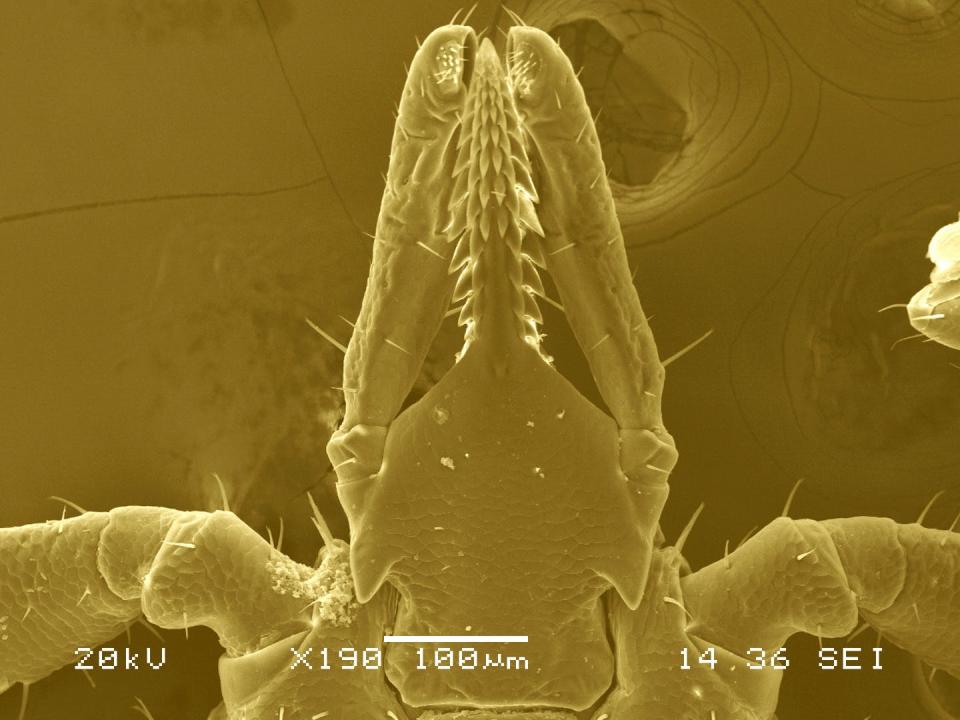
(179, 188)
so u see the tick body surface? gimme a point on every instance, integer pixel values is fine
(524, 476)
(502, 502)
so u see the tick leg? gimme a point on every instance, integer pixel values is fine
(409, 286)
(585, 254)
(935, 309)
(815, 577)
(81, 581)
(652, 644)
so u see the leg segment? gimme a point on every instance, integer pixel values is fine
(935, 309)
(814, 577)
(80, 582)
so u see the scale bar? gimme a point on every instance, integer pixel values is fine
(455, 638)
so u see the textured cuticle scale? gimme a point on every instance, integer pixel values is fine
(49, 579)
(750, 103)
(869, 564)
(80, 581)
(255, 686)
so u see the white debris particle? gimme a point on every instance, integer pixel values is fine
(328, 588)
(538, 471)
(468, 628)
(448, 463)
(467, 455)
(440, 415)
(561, 414)
(531, 423)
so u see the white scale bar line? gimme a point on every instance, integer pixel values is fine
(455, 638)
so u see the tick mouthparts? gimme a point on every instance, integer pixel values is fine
(453, 60)
(487, 55)
(493, 220)
(456, 58)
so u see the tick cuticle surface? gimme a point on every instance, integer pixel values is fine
(238, 232)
